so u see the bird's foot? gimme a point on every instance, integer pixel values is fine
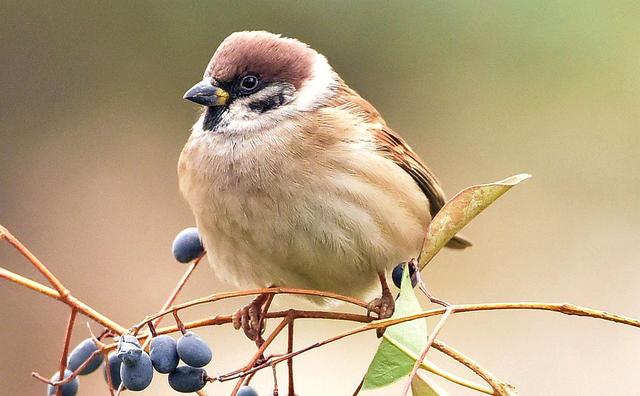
(382, 306)
(385, 305)
(251, 318)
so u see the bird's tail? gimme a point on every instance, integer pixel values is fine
(459, 242)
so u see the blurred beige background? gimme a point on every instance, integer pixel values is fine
(92, 123)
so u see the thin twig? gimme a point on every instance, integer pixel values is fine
(174, 294)
(107, 370)
(73, 374)
(276, 392)
(28, 283)
(243, 371)
(69, 300)
(290, 361)
(423, 355)
(273, 290)
(500, 388)
(65, 348)
(13, 241)
(566, 309)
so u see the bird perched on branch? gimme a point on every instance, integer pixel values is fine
(295, 180)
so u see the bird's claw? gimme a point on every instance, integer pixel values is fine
(249, 318)
(384, 307)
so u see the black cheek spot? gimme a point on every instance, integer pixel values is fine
(262, 106)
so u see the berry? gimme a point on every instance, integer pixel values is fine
(68, 389)
(396, 275)
(81, 353)
(187, 245)
(164, 354)
(129, 349)
(187, 379)
(113, 364)
(193, 350)
(137, 376)
(130, 339)
(246, 390)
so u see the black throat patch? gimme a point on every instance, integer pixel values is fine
(212, 117)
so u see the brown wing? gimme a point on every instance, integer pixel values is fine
(395, 148)
(392, 146)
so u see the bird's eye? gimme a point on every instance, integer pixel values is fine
(249, 83)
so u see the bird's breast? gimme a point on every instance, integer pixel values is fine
(300, 209)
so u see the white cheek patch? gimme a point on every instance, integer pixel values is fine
(319, 88)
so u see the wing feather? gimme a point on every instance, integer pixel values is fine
(394, 147)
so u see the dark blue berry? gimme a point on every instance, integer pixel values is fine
(246, 390)
(81, 353)
(113, 365)
(396, 275)
(68, 389)
(164, 354)
(129, 339)
(137, 376)
(193, 350)
(129, 349)
(187, 379)
(187, 245)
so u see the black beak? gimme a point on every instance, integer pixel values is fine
(206, 94)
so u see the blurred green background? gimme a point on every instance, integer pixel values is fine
(92, 122)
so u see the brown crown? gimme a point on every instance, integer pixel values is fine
(272, 57)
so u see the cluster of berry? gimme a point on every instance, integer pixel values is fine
(132, 367)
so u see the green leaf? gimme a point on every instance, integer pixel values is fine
(459, 211)
(401, 343)
(425, 386)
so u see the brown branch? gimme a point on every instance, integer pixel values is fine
(273, 290)
(70, 300)
(28, 283)
(500, 388)
(59, 292)
(566, 309)
(13, 241)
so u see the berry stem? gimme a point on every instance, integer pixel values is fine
(65, 348)
(290, 361)
(179, 323)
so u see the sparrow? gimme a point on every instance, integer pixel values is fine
(297, 181)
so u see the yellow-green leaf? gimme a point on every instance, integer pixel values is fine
(424, 386)
(401, 343)
(460, 210)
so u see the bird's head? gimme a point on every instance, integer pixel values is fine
(256, 80)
